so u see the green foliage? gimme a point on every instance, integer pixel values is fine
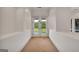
(36, 25)
(43, 27)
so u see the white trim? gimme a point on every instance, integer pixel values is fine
(9, 35)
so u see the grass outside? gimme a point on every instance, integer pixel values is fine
(43, 30)
(35, 29)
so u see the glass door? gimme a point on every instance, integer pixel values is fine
(39, 27)
(36, 27)
(43, 27)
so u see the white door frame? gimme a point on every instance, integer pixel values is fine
(40, 31)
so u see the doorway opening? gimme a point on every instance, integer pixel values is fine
(40, 27)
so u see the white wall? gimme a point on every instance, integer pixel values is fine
(15, 29)
(14, 20)
(59, 19)
(39, 11)
(8, 20)
(20, 19)
(64, 41)
(15, 42)
(52, 19)
(63, 19)
(28, 20)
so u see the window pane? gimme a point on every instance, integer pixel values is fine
(43, 27)
(36, 25)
